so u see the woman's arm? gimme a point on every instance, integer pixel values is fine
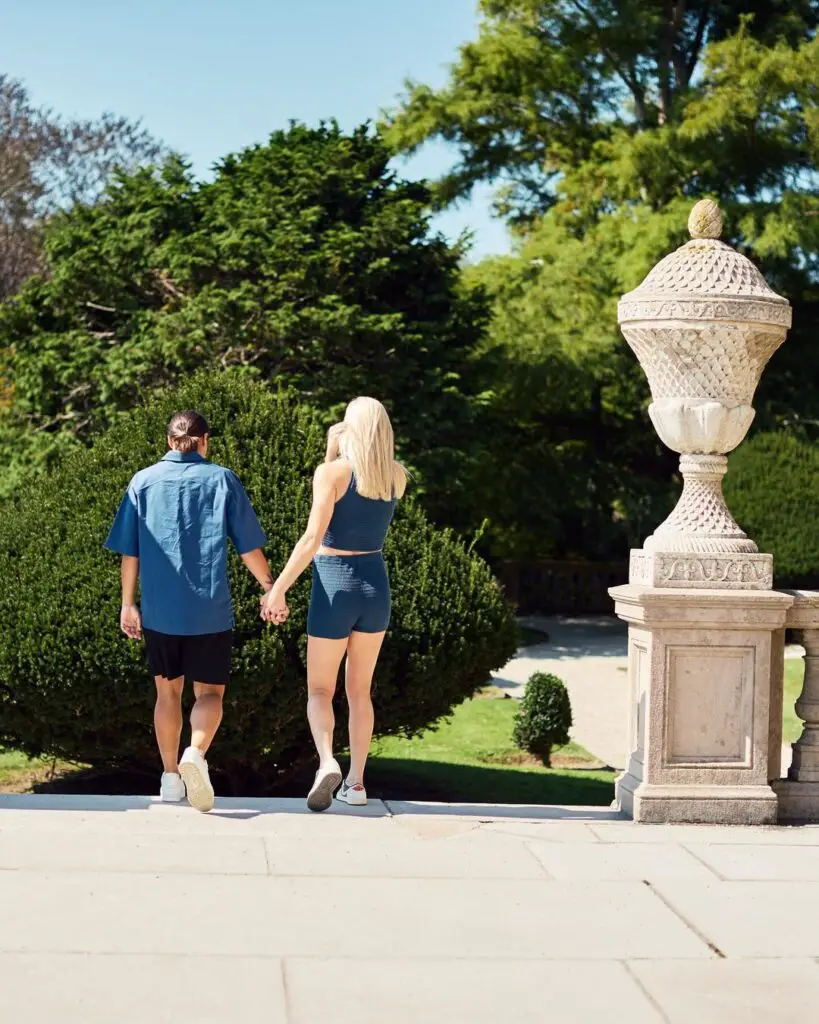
(324, 499)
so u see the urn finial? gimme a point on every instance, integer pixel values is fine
(703, 324)
(705, 220)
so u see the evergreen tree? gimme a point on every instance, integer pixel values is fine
(305, 260)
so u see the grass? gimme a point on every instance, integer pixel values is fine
(794, 676)
(471, 758)
(20, 774)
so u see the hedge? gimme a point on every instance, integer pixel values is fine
(772, 489)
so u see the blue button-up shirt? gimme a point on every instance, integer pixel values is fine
(176, 517)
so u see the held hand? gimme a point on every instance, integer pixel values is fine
(274, 607)
(130, 622)
(334, 435)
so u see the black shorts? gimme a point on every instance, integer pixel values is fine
(204, 658)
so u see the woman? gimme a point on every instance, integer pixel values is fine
(354, 495)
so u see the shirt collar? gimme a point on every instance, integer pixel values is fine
(174, 456)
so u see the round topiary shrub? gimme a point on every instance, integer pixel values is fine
(771, 488)
(544, 716)
(72, 686)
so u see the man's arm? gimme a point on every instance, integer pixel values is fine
(124, 539)
(257, 564)
(130, 621)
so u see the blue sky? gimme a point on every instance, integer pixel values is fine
(212, 76)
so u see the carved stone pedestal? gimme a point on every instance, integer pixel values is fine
(684, 571)
(701, 665)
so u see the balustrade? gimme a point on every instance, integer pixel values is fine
(799, 793)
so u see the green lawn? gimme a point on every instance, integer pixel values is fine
(471, 757)
(12, 764)
(794, 676)
(19, 773)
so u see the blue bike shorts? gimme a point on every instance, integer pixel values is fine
(351, 593)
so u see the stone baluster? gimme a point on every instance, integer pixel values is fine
(805, 764)
(799, 793)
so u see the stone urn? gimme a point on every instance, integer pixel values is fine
(703, 325)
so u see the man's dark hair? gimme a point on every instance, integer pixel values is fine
(185, 429)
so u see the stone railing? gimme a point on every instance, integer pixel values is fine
(799, 792)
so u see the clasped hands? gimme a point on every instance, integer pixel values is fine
(274, 606)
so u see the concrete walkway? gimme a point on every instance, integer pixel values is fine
(123, 911)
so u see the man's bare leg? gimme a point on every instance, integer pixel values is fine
(205, 719)
(206, 715)
(168, 720)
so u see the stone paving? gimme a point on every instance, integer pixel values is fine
(119, 910)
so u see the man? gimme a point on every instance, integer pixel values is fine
(172, 530)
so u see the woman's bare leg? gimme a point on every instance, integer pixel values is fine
(362, 655)
(323, 661)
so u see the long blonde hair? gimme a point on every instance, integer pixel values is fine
(369, 444)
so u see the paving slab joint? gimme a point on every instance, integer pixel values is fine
(681, 917)
(639, 983)
(690, 849)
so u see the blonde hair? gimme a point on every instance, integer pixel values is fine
(369, 444)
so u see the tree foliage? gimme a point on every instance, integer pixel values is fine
(305, 260)
(85, 694)
(604, 120)
(548, 82)
(48, 163)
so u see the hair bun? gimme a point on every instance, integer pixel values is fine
(186, 429)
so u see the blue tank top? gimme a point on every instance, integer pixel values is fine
(358, 523)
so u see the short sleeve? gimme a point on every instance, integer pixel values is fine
(124, 535)
(242, 525)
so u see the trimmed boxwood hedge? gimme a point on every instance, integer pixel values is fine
(772, 489)
(544, 716)
(71, 686)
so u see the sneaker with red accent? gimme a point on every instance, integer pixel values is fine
(355, 796)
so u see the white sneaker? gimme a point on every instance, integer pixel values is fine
(355, 796)
(194, 770)
(172, 788)
(328, 779)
